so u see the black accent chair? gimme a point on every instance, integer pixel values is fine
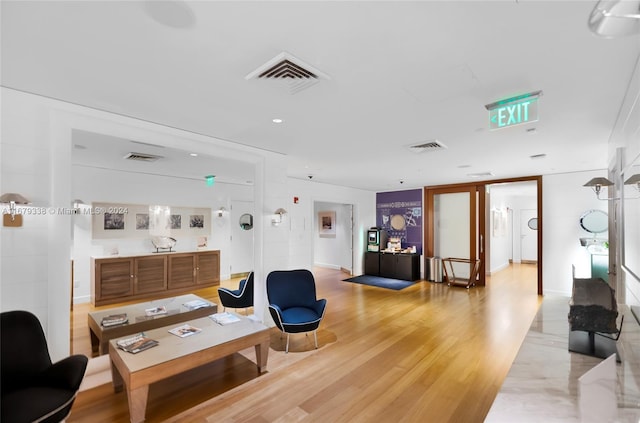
(32, 388)
(292, 302)
(238, 298)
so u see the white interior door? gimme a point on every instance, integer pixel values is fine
(241, 237)
(529, 235)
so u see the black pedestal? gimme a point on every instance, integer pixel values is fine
(589, 343)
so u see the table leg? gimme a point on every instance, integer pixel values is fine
(104, 347)
(95, 343)
(138, 403)
(116, 378)
(262, 353)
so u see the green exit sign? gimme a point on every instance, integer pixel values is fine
(514, 111)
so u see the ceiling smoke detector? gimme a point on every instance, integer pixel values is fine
(289, 71)
(142, 157)
(432, 145)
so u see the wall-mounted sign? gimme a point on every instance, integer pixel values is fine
(514, 111)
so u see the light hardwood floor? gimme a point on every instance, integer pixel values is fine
(428, 353)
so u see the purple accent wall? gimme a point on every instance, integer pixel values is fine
(400, 214)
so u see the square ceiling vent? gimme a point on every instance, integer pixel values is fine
(432, 145)
(288, 71)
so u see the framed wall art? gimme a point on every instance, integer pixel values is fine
(113, 221)
(327, 224)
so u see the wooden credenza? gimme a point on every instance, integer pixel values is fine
(123, 278)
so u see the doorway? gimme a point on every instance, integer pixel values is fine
(333, 248)
(241, 219)
(528, 236)
(485, 221)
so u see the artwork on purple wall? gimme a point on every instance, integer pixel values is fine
(400, 214)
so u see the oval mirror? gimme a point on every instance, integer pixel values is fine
(533, 223)
(594, 221)
(246, 222)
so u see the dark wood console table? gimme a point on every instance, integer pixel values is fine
(405, 266)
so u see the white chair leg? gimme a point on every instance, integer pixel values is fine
(315, 336)
(287, 348)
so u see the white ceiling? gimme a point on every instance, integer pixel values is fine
(399, 73)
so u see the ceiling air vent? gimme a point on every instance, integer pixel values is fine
(427, 146)
(288, 71)
(142, 157)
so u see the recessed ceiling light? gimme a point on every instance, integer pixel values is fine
(193, 154)
(277, 120)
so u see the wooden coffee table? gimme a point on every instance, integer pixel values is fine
(139, 322)
(175, 355)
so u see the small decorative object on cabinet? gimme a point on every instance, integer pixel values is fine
(163, 243)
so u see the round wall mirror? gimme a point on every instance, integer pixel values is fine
(246, 222)
(594, 221)
(533, 223)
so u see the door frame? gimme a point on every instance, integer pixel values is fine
(476, 203)
(480, 240)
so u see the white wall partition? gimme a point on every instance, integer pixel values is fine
(564, 201)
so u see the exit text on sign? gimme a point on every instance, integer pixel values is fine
(513, 114)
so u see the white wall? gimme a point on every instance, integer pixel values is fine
(501, 243)
(564, 201)
(303, 229)
(626, 139)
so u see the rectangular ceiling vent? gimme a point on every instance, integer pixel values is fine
(142, 157)
(288, 71)
(433, 145)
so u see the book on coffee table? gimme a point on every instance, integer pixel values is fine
(185, 330)
(114, 320)
(224, 318)
(136, 344)
(155, 311)
(196, 304)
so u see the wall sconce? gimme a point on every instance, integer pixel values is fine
(633, 180)
(276, 219)
(221, 211)
(12, 219)
(596, 184)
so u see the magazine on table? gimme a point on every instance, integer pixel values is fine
(224, 318)
(196, 304)
(155, 311)
(114, 320)
(185, 330)
(136, 343)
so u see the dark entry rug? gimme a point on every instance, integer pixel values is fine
(380, 282)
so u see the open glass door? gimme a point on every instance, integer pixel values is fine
(455, 222)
